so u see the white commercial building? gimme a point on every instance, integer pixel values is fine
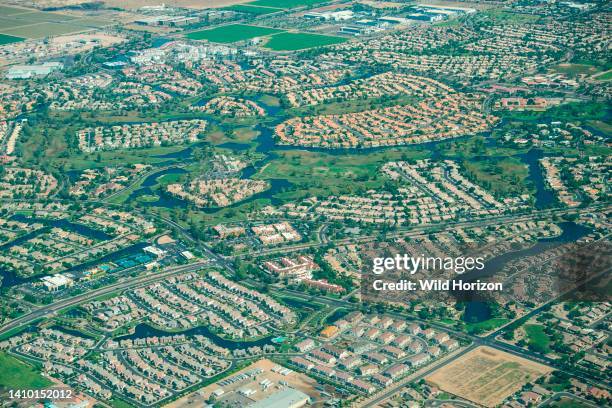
(29, 71)
(286, 398)
(56, 282)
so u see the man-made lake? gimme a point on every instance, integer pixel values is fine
(143, 330)
(150, 181)
(544, 197)
(65, 225)
(11, 278)
(477, 311)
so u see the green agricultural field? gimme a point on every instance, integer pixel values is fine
(92, 22)
(232, 33)
(43, 30)
(42, 17)
(255, 10)
(301, 41)
(37, 24)
(286, 4)
(17, 374)
(8, 23)
(9, 11)
(7, 39)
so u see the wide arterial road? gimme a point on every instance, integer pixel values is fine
(62, 304)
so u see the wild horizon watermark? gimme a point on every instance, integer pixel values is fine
(567, 271)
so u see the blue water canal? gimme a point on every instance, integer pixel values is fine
(544, 197)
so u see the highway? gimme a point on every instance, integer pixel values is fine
(48, 310)
(427, 229)
(226, 263)
(475, 340)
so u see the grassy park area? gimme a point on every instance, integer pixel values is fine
(19, 375)
(486, 325)
(575, 69)
(314, 173)
(537, 339)
(505, 177)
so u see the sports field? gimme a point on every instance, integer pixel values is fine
(232, 33)
(7, 39)
(487, 376)
(300, 41)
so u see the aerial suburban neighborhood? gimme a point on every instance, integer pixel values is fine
(305, 203)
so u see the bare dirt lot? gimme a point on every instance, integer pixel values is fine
(460, 4)
(194, 4)
(382, 4)
(487, 376)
